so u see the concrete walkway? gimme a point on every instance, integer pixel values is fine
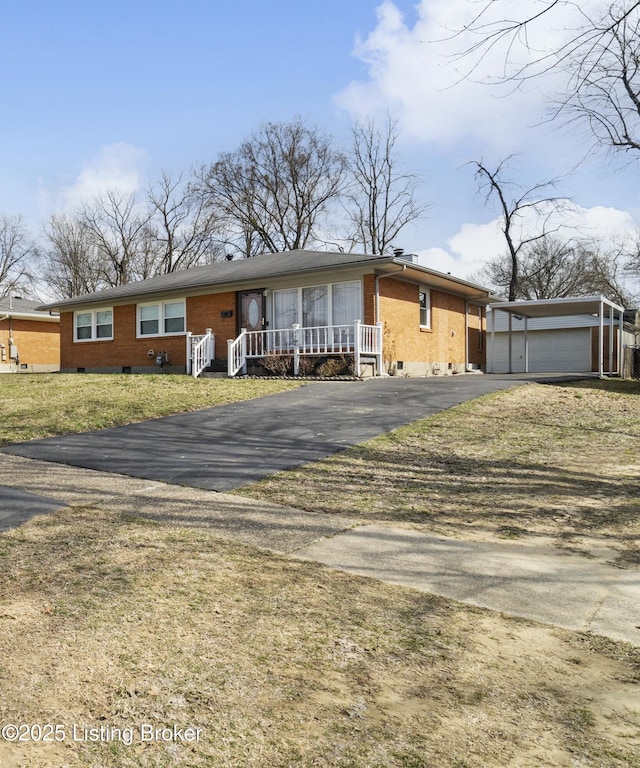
(534, 581)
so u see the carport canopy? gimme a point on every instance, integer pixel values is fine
(598, 306)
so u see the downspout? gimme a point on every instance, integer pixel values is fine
(377, 292)
(377, 303)
(10, 319)
(466, 335)
(467, 303)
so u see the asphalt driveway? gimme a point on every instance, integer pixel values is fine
(228, 446)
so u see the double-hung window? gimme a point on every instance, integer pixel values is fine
(425, 307)
(93, 325)
(162, 318)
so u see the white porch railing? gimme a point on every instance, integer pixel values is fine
(200, 352)
(357, 339)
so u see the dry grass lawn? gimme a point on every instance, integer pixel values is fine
(36, 405)
(109, 621)
(554, 461)
(113, 622)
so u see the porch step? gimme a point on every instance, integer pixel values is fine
(213, 375)
(217, 366)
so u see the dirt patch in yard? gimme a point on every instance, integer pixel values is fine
(111, 622)
(560, 462)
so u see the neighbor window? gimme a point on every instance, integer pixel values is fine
(425, 307)
(161, 319)
(93, 325)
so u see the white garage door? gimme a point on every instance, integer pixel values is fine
(561, 349)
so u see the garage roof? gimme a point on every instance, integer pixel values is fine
(572, 305)
(597, 305)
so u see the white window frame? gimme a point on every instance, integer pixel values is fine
(329, 286)
(423, 289)
(94, 324)
(162, 318)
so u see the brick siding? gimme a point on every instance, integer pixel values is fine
(443, 344)
(595, 348)
(477, 330)
(38, 342)
(127, 351)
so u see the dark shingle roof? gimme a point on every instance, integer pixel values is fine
(267, 266)
(227, 272)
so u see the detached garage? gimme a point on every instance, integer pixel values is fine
(555, 335)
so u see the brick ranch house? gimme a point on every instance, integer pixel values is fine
(29, 337)
(391, 314)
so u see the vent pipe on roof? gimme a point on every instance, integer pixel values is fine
(398, 252)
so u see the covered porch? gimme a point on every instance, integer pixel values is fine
(297, 343)
(291, 345)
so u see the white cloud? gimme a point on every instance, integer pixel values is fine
(465, 265)
(413, 73)
(115, 167)
(474, 244)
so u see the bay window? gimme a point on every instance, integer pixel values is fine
(315, 306)
(318, 305)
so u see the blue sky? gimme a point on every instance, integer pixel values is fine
(98, 94)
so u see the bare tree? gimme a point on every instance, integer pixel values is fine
(631, 257)
(608, 266)
(119, 230)
(381, 199)
(71, 265)
(17, 254)
(599, 59)
(184, 226)
(274, 190)
(548, 268)
(551, 268)
(514, 203)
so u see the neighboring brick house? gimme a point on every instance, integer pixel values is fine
(412, 320)
(29, 337)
